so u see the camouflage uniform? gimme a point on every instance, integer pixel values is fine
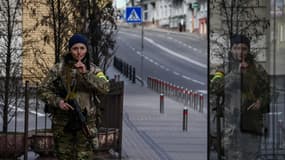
(244, 127)
(216, 109)
(73, 144)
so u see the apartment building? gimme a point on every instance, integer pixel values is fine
(192, 14)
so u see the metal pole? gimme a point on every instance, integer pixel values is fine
(37, 106)
(115, 77)
(142, 45)
(185, 119)
(16, 110)
(127, 68)
(201, 103)
(134, 75)
(26, 120)
(161, 103)
(130, 72)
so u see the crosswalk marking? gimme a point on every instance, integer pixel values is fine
(133, 16)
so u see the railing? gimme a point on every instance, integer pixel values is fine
(30, 127)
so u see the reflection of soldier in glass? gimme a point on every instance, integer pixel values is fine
(246, 99)
(216, 111)
(74, 78)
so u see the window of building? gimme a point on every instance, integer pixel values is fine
(145, 16)
(145, 7)
(282, 33)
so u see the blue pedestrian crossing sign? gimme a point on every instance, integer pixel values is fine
(134, 15)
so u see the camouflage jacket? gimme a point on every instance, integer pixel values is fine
(242, 89)
(54, 87)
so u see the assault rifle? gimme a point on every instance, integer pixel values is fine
(80, 117)
(78, 120)
(82, 121)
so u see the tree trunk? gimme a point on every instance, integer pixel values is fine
(8, 68)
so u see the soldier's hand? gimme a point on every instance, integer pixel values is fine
(254, 106)
(80, 67)
(64, 106)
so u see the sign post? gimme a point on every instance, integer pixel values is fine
(133, 16)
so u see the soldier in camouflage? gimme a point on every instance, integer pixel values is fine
(216, 110)
(246, 100)
(75, 77)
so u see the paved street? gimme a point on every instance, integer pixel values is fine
(149, 135)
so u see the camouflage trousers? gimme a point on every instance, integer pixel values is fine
(73, 145)
(240, 146)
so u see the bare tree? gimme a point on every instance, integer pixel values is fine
(229, 17)
(10, 54)
(101, 31)
(93, 18)
(55, 25)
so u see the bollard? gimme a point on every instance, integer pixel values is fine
(150, 83)
(127, 70)
(167, 88)
(201, 103)
(191, 99)
(130, 73)
(185, 96)
(161, 103)
(114, 62)
(185, 119)
(147, 82)
(159, 86)
(122, 67)
(134, 75)
(177, 88)
(181, 95)
(171, 90)
(155, 84)
(194, 101)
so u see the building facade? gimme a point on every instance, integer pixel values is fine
(190, 14)
(38, 49)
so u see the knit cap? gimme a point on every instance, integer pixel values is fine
(77, 38)
(240, 39)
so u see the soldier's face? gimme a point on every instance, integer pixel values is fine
(78, 51)
(239, 51)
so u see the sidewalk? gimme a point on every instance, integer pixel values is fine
(149, 135)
